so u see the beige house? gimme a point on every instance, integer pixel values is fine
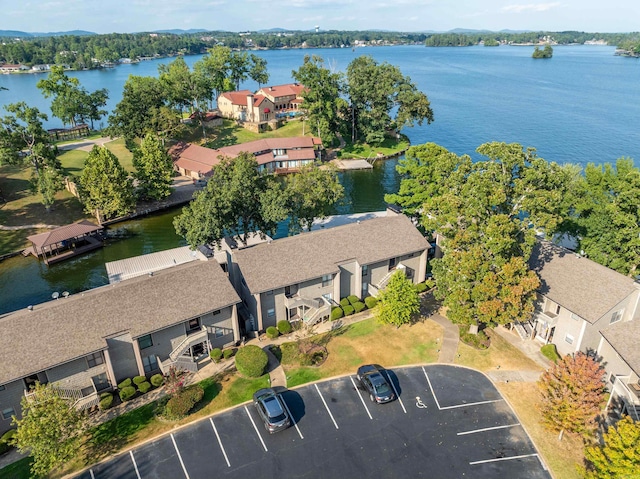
(255, 112)
(286, 98)
(301, 277)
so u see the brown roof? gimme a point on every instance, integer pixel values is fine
(237, 97)
(283, 90)
(63, 233)
(304, 154)
(624, 337)
(307, 256)
(584, 287)
(69, 328)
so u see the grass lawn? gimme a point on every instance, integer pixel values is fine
(17, 470)
(232, 134)
(388, 147)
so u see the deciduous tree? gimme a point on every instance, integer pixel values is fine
(619, 453)
(572, 394)
(154, 169)
(398, 303)
(50, 430)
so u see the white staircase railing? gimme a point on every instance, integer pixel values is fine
(186, 343)
(385, 280)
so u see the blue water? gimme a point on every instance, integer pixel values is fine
(581, 106)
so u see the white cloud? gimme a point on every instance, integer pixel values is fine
(530, 7)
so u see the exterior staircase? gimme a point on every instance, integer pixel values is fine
(385, 280)
(75, 396)
(524, 330)
(176, 357)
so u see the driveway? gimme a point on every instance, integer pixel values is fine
(449, 422)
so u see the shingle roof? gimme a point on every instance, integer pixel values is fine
(624, 338)
(311, 255)
(237, 97)
(283, 90)
(68, 328)
(584, 287)
(62, 233)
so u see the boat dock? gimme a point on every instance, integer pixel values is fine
(344, 165)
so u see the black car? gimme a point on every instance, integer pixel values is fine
(271, 409)
(374, 380)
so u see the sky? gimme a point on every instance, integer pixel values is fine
(124, 16)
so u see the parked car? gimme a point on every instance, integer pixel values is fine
(374, 380)
(271, 409)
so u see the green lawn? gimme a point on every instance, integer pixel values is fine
(17, 470)
(232, 134)
(388, 147)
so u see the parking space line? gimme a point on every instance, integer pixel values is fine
(184, 469)
(326, 407)
(497, 459)
(360, 396)
(135, 466)
(487, 429)
(397, 395)
(431, 387)
(291, 417)
(471, 404)
(224, 453)
(256, 428)
(91, 472)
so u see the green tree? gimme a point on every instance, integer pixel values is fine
(50, 430)
(154, 169)
(258, 69)
(398, 303)
(66, 92)
(572, 394)
(48, 183)
(94, 106)
(375, 91)
(215, 67)
(322, 102)
(311, 194)
(607, 215)
(619, 453)
(237, 201)
(105, 187)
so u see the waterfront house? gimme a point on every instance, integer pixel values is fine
(301, 277)
(86, 343)
(254, 112)
(13, 68)
(285, 98)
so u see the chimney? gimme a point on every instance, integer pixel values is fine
(250, 107)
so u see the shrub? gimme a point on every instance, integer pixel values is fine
(227, 353)
(336, 313)
(272, 332)
(420, 287)
(478, 341)
(348, 310)
(353, 299)
(127, 393)
(124, 384)
(344, 302)
(144, 387)
(181, 403)
(6, 441)
(284, 326)
(106, 401)
(157, 380)
(139, 380)
(549, 351)
(215, 354)
(251, 361)
(370, 301)
(358, 306)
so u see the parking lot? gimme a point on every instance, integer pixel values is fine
(449, 422)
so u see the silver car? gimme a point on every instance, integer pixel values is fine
(271, 409)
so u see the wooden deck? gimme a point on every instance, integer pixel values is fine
(57, 255)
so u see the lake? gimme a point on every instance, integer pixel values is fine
(581, 106)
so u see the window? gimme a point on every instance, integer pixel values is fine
(217, 311)
(2, 388)
(101, 381)
(219, 332)
(193, 325)
(615, 317)
(150, 363)
(145, 342)
(271, 312)
(392, 264)
(326, 279)
(95, 359)
(558, 309)
(7, 413)
(612, 378)
(569, 339)
(365, 270)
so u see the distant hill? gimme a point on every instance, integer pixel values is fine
(19, 34)
(178, 31)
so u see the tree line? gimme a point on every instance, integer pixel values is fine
(491, 38)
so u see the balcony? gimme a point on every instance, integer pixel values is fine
(310, 311)
(81, 399)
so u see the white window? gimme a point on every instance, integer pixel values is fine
(326, 279)
(7, 413)
(271, 312)
(569, 339)
(150, 363)
(615, 317)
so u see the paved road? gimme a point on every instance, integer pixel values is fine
(450, 422)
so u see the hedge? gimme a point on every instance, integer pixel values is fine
(181, 403)
(144, 387)
(358, 306)
(344, 302)
(370, 301)
(157, 380)
(215, 354)
(251, 361)
(139, 380)
(348, 310)
(227, 353)
(353, 299)
(284, 326)
(106, 401)
(127, 393)
(336, 313)
(420, 287)
(272, 332)
(124, 384)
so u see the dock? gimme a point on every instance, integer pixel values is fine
(345, 165)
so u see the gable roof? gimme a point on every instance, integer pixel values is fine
(69, 328)
(63, 233)
(287, 89)
(311, 255)
(237, 97)
(624, 338)
(584, 287)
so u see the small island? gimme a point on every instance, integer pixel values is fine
(546, 52)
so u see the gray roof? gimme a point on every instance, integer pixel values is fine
(310, 255)
(584, 287)
(63, 233)
(69, 328)
(624, 338)
(139, 265)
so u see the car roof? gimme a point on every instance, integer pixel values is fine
(272, 405)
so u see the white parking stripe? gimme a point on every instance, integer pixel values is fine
(471, 404)
(502, 459)
(91, 472)
(431, 387)
(487, 429)
(184, 469)
(327, 407)
(291, 417)
(397, 395)
(256, 428)
(360, 396)
(224, 453)
(135, 466)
